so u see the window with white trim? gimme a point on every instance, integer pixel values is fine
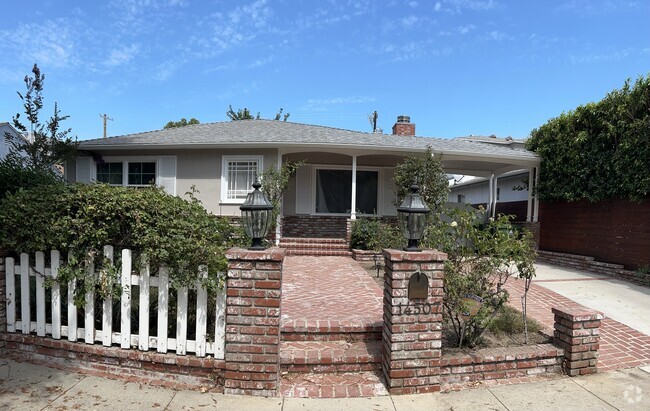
(238, 175)
(127, 173)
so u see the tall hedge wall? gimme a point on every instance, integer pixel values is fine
(598, 151)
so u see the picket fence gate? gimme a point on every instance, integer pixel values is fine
(162, 343)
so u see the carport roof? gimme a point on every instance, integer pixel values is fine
(290, 136)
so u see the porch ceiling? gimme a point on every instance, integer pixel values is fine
(453, 163)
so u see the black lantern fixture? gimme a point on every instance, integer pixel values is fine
(257, 212)
(412, 216)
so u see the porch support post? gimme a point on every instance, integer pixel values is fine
(494, 197)
(278, 219)
(490, 195)
(536, 201)
(353, 205)
(529, 209)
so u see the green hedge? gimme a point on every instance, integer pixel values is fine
(599, 150)
(80, 219)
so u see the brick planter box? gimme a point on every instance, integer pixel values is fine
(499, 363)
(168, 370)
(367, 255)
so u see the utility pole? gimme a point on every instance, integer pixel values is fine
(105, 117)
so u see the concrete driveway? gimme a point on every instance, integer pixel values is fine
(624, 302)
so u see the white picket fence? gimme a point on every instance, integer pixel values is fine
(162, 343)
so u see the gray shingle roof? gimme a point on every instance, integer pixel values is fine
(270, 133)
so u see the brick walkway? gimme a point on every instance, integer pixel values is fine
(334, 296)
(331, 321)
(329, 294)
(620, 346)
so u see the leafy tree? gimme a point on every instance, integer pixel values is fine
(275, 182)
(245, 114)
(599, 150)
(426, 170)
(47, 144)
(181, 123)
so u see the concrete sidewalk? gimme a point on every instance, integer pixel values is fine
(26, 386)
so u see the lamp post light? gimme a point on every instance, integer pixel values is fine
(257, 212)
(412, 216)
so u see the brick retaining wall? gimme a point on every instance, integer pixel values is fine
(586, 263)
(169, 370)
(499, 363)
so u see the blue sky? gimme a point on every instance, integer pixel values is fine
(457, 67)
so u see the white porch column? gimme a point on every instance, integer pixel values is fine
(536, 201)
(353, 205)
(278, 219)
(490, 195)
(529, 209)
(494, 196)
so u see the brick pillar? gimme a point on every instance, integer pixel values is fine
(534, 228)
(253, 321)
(412, 334)
(3, 301)
(577, 331)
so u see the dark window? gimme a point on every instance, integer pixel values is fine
(142, 173)
(334, 191)
(110, 173)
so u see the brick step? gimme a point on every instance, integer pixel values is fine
(319, 246)
(319, 252)
(329, 356)
(312, 240)
(338, 385)
(331, 336)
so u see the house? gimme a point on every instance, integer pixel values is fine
(347, 174)
(511, 195)
(5, 145)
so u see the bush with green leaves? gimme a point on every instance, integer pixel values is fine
(598, 151)
(80, 219)
(374, 234)
(426, 170)
(481, 258)
(14, 176)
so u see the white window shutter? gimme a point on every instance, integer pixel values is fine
(167, 173)
(83, 167)
(303, 190)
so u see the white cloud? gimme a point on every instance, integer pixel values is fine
(458, 6)
(341, 100)
(121, 55)
(466, 29)
(413, 4)
(51, 43)
(410, 21)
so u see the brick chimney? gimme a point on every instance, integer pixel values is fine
(404, 127)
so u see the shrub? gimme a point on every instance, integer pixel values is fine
(374, 234)
(509, 321)
(81, 219)
(481, 258)
(13, 177)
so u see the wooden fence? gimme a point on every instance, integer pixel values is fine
(19, 283)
